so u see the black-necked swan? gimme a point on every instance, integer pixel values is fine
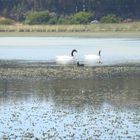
(93, 58)
(65, 59)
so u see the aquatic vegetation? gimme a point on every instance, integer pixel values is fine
(120, 27)
(56, 72)
(48, 101)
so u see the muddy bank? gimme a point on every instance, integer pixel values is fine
(47, 71)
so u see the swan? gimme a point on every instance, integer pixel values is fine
(93, 58)
(65, 59)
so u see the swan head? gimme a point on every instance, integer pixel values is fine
(73, 51)
(99, 52)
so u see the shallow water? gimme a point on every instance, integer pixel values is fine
(114, 50)
(70, 109)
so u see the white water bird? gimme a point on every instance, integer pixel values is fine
(65, 59)
(93, 58)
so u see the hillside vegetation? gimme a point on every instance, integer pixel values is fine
(68, 11)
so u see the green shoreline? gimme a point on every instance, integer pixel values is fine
(72, 34)
(90, 30)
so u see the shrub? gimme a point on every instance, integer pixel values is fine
(81, 18)
(37, 17)
(6, 21)
(45, 17)
(111, 18)
(52, 21)
(64, 20)
(53, 18)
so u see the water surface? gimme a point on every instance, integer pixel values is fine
(102, 108)
(70, 109)
(114, 50)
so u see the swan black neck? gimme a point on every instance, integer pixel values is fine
(99, 52)
(72, 53)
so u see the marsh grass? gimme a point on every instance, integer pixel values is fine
(120, 27)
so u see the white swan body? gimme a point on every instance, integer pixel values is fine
(92, 58)
(64, 59)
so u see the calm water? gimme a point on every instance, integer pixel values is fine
(107, 109)
(114, 50)
(70, 109)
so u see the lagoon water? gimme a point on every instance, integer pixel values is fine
(70, 109)
(103, 108)
(114, 50)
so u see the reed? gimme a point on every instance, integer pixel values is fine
(120, 27)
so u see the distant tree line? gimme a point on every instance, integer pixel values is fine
(64, 10)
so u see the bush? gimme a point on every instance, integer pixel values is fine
(81, 18)
(45, 17)
(64, 20)
(53, 21)
(37, 17)
(111, 18)
(53, 18)
(6, 21)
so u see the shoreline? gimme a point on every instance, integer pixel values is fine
(72, 34)
(89, 30)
